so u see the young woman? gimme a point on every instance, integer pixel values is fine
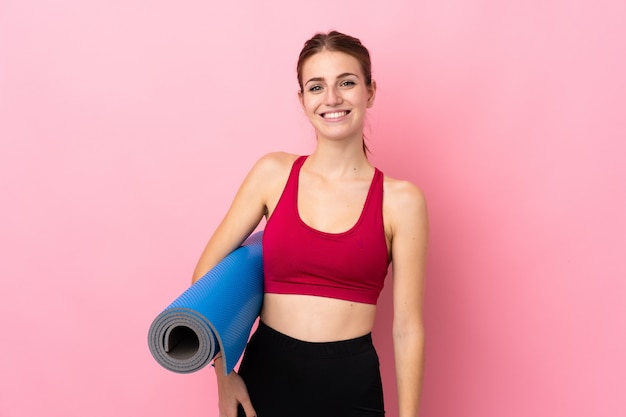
(334, 223)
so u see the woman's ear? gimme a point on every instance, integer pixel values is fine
(371, 90)
(300, 98)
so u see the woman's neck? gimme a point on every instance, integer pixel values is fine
(339, 158)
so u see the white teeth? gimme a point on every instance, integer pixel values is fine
(335, 115)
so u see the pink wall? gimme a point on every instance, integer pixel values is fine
(126, 127)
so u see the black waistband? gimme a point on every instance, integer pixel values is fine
(283, 342)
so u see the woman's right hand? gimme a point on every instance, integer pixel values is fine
(232, 391)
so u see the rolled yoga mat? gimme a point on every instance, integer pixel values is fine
(215, 314)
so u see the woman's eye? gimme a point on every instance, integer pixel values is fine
(315, 88)
(348, 83)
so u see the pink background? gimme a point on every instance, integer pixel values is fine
(127, 126)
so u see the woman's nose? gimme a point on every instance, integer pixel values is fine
(333, 97)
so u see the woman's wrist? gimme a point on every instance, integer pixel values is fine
(218, 356)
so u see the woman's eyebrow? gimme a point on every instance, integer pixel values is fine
(347, 74)
(317, 79)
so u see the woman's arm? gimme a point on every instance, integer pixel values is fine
(246, 211)
(409, 227)
(231, 391)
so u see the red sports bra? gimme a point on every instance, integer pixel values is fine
(298, 259)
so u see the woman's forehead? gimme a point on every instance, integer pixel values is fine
(330, 64)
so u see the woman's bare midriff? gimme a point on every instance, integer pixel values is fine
(317, 319)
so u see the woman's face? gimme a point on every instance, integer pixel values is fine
(335, 95)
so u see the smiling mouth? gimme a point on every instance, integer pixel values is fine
(335, 114)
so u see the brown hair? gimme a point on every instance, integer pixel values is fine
(336, 42)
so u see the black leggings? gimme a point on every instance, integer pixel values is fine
(287, 377)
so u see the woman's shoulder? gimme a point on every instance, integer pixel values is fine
(273, 165)
(276, 160)
(402, 191)
(402, 200)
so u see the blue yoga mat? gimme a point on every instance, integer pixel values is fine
(215, 314)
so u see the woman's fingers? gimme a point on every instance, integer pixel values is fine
(232, 392)
(243, 397)
(247, 407)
